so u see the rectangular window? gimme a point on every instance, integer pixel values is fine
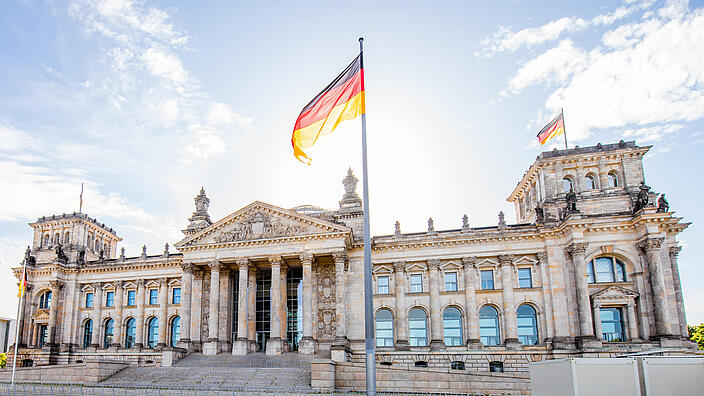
(131, 298)
(450, 281)
(110, 299)
(153, 296)
(416, 283)
(525, 278)
(382, 283)
(89, 300)
(176, 299)
(487, 279)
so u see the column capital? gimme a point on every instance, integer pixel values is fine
(242, 263)
(597, 304)
(216, 266)
(399, 266)
(96, 285)
(55, 284)
(119, 284)
(275, 261)
(650, 244)
(306, 258)
(433, 264)
(188, 268)
(339, 255)
(675, 251)
(140, 283)
(469, 261)
(162, 281)
(542, 257)
(506, 259)
(631, 304)
(577, 248)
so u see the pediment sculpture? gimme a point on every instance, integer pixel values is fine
(262, 226)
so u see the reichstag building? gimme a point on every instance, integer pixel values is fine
(589, 270)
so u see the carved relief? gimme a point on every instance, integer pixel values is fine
(261, 226)
(326, 301)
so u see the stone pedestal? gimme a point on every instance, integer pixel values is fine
(275, 346)
(474, 344)
(513, 344)
(211, 348)
(563, 343)
(187, 345)
(306, 346)
(338, 353)
(437, 345)
(588, 342)
(240, 347)
(402, 345)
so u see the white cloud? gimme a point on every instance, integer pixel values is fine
(652, 133)
(203, 142)
(165, 65)
(12, 139)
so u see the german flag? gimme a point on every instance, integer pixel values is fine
(556, 127)
(23, 282)
(342, 99)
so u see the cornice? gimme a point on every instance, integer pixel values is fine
(260, 242)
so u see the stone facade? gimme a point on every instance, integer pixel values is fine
(589, 270)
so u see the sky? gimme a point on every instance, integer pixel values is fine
(147, 101)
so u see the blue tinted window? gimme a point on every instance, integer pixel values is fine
(131, 297)
(153, 297)
(110, 299)
(89, 300)
(177, 296)
(525, 278)
(487, 279)
(489, 325)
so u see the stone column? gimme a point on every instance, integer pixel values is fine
(139, 331)
(163, 320)
(33, 341)
(603, 179)
(470, 302)
(674, 252)
(55, 287)
(436, 336)
(307, 344)
(400, 325)
(340, 347)
(510, 326)
(547, 296)
(211, 346)
(117, 327)
(239, 346)
(578, 252)
(275, 344)
(187, 291)
(97, 314)
(632, 326)
(284, 306)
(651, 247)
(252, 313)
(597, 320)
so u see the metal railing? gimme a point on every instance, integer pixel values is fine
(613, 337)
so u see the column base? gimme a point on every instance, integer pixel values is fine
(437, 345)
(137, 346)
(65, 347)
(669, 341)
(513, 344)
(339, 352)
(402, 345)
(211, 348)
(186, 344)
(116, 345)
(588, 342)
(473, 343)
(274, 346)
(252, 345)
(563, 343)
(306, 346)
(240, 347)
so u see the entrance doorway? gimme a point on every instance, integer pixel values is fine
(294, 294)
(263, 309)
(43, 334)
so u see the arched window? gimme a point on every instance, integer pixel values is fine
(384, 328)
(66, 238)
(109, 330)
(87, 333)
(613, 179)
(567, 185)
(527, 325)
(612, 325)
(46, 240)
(590, 182)
(452, 326)
(57, 238)
(175, 330)
(130, 330)
(418, 327)
(97, 244)
(489, 325)
(152, 332)
(606, 269)
(45, 300)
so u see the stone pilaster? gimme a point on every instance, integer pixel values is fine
(211, 346)
(632, 326)
(251, 313)
(117, 328)
(186, 298)
(577, 251)
(55, 288)
(547, 296)
(436, 336)
(470, 302)
(510, 325)
(97, 314)
(275, 344)
(139, 331)
(340, 348)
(163, 319)
(682, 318)
(651, 247)
(597, 320)
(401, 325)
(307, 344)
(239, 346)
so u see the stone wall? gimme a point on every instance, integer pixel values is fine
(90, 372)
(129, 357)
(328, 375)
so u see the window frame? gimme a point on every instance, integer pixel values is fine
(568, 179)
(131, 298)
(590, 181)
(89, 300)
(530, 277)
(532, 339)
(456, 282)
(152, 332)
(620, 322)
(130, 324)
(593, 275)
(482, 280)
(107, 343)
(175, 325)
(45, 300)
(87, 333)
(379, 285)
(174, 296)
(385, 341)
(412, 285)
(414, 341)
(153, 296)
(490, 340)
(454, 340)
(110, 299)
(613, 179)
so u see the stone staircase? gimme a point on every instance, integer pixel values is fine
(289, 372)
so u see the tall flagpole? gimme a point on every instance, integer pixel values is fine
(80, 207)
(368, 314)
(19, 317)
(564, 128)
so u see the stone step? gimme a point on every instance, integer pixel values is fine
(254, 360)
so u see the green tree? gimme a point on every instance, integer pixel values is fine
(696, 334)
(3, 360)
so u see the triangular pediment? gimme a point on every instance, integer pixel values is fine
(41, 315)
(614, 292)
(261, 221)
